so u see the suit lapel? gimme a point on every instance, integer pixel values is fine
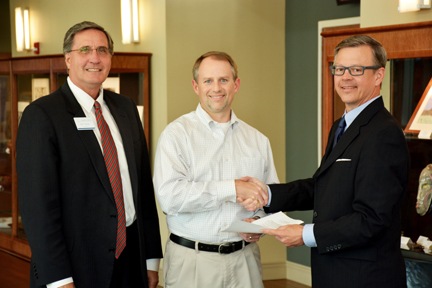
(89, 140)
(350, 134)
(123, 124)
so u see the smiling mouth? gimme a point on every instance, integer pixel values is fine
(349, 87)
(216, 96)
(93, 69)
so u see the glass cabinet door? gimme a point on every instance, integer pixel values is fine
(5, 156)
(30, 87)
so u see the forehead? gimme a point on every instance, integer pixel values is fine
(90, 37)
(212, 67)
(361, 55)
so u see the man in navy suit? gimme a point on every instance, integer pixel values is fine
(357, 191)
(80, 233)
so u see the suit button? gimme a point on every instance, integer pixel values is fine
(315, 214)
(111, 250)
(339, 246)
(113, 216)
(327, 249)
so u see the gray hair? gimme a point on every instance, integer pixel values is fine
(70, 35)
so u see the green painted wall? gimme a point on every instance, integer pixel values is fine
(301, 93)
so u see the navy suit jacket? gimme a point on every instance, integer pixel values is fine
(356, 195)
(65, 197)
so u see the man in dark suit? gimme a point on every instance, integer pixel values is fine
(84, 182)
(357, 191)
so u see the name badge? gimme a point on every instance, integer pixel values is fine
(84, 123)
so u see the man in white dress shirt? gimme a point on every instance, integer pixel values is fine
(200, 160)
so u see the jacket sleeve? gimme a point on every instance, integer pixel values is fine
(39, 196)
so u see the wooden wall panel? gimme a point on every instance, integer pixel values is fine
(14, 271)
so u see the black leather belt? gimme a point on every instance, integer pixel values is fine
(224, 248)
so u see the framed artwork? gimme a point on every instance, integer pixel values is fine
(421, 119)
(40, 87)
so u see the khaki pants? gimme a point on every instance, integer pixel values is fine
(188, 268)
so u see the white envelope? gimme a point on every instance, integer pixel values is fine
(272, 221)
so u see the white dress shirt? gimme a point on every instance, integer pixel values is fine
(87, 105)
(195, 167)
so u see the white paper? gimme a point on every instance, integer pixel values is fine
(405, 242)
(425, 134)
(5, 221)
(273, 221)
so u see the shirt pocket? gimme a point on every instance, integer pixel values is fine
(253, 167)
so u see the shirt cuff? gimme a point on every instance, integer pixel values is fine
(225, 191)
(153, 264)
(270, 196)
(60, 283)
(308, 235)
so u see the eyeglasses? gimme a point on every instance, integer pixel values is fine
(86, 50)
(353, 70)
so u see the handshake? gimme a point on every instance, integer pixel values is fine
(251, 193)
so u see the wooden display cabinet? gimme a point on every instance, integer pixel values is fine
(23, 80)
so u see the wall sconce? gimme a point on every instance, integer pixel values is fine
(22, 29)
(129, 20)
(413, 5)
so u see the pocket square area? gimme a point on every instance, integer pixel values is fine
(343, 160)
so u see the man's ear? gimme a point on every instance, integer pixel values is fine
(195, 86)
(67, 60)
(236, 85)
(379, 76)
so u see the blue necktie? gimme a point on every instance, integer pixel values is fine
(340, 130)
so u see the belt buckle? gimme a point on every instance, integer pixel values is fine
(224, 244)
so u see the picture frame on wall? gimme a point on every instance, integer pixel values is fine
(40, 87)
(421, 119)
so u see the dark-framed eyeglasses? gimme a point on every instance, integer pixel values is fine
(86, 50)
(353, 70)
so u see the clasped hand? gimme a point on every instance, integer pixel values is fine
(251, 193)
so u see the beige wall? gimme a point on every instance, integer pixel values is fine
(176, 33)
(385, 12)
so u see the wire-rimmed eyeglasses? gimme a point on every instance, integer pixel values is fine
(353, 70)
(86, 50)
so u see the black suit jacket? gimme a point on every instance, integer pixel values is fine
(356, 195)
(65, 197)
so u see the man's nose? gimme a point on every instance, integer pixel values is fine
(94, 56)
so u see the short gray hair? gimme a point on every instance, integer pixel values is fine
(70, 35)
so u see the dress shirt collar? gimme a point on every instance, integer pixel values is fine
(352, 115)
(209, 122)
(85, 100)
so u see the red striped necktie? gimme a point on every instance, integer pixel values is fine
(111, 162)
